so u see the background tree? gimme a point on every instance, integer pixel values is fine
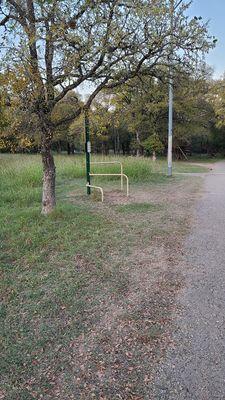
(139, 102)
(153, 145)
(101, 124)
(143, 104)
(216, 97)
(66, 134)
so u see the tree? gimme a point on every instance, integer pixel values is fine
(139, 102)
(66, 130)
(143, 105)
(216, 97)
(153, 145)
(61, 44)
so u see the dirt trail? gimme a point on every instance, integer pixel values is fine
(194, 367)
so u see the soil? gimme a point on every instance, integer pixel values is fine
(130, 328)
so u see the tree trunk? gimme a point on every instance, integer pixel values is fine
(59, 149)
(48, 194)
(68, 149)
(118, 143)
(153, 156)
(138, 144)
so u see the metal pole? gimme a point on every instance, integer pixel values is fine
(170, 128)
(170, 117)
(87, 150)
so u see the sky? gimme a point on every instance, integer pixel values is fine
(214, 11)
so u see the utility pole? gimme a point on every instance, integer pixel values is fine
(87, 149)
(170, 118)
(173, 7)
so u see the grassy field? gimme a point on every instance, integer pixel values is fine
(87, 292)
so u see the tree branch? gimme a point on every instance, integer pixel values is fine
(4, 21)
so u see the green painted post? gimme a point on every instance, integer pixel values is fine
(87, 150)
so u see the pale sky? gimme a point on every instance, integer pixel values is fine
(214, 11)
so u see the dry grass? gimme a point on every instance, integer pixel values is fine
(88, 293)
(117, 355)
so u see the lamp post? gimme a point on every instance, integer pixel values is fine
(173, 7)
(170, 116)
(87, 150)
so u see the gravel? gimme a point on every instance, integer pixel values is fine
(194, 366)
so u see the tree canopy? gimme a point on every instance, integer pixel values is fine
(56, 46)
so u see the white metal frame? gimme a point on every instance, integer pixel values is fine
(122, 175)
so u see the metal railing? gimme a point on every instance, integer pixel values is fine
(122, 175)
(111, 162)
(97, 187)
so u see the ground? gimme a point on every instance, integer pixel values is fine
(193, 368)
(89, 292)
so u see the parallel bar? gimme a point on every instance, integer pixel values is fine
(112, 162)
(125, 176)
(106, 162)
(106, 174)
(96, 187)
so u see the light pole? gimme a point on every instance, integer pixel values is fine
(170, 116)
(87, 149)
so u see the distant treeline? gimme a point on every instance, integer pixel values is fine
(131, 120)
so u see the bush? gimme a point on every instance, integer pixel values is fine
(153, 144)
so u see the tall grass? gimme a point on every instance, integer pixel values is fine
(140, 169)
(20, 179)
(21, 175)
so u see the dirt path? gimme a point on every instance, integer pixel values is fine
(194, 367)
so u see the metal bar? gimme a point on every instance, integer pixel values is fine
(106, 162)
(87, 150)
(105, 174)
(112, 162)
(125, 176)
(170, 128)
(97, 187)
(121, 171)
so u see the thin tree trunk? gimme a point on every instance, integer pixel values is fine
(48, 193)
(118, 143)
(138, 144)
(59, 149)
(68, 149)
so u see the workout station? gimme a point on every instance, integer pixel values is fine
(90, 174)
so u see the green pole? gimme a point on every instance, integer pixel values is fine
(87, 149)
